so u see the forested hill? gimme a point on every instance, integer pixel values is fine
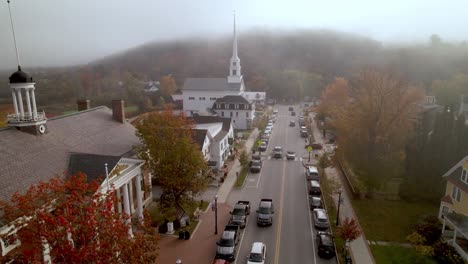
(283, 63)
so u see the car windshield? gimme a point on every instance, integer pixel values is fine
(255, 163)
(326, 240)
(237, 211)
(255, 257)
(264, 210)
(290, 152)
(277, 148)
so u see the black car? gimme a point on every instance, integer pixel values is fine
(293, 113)
(278, 152)
(255, 166)
(292, 123)
(326, 248)
(291, 108)
(315, 202)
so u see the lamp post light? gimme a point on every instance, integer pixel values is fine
(339, 203)
(178, 261)
(215, 209)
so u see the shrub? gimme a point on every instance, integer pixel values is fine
(244, 158)
(445, 254)
(430, 228)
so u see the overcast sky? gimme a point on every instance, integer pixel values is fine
(64, 32)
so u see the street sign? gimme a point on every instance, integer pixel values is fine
(259, 142)
(309, 148)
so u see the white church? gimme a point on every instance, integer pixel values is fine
(223, 97)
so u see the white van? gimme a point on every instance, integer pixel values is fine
(312, 173)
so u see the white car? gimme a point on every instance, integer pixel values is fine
(257, 254)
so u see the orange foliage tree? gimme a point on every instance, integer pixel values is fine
(78, 223)
(168, 85)
(349, 229)
(173, 157)
(374, 118)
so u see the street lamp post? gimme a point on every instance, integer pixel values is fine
(339, 203)
(215, 208)
(178, 261)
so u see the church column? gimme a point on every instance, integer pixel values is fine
(119, 201)
(139, 197)
(33, 96)
(28, 102)
(15, 103)
(20, 100)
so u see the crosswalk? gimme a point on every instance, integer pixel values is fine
(284, 158)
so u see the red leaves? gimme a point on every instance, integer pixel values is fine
(349, 229)
(79, 223)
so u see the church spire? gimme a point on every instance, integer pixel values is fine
(234, 66)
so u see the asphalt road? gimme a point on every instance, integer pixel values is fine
(291, 238)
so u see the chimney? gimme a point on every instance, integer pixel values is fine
(118, 112)
(83, 104)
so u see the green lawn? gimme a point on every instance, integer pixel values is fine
(384, 220)
(398, 255)
(242, 176)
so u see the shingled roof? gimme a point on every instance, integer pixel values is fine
(213, 119)
(92, 165)
(26, 159)
(454, 175)
(199, 137)
(233, 99)
(210, 84)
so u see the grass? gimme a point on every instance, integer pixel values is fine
(384, 220)
(394, 254)
(130, 109)
(242, 176)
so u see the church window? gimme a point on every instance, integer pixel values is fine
(230, 114)
(201, 98)
(246, 106)
(222, 113)
(191, 98)
(247, 114)
(237, 106)
(234, 72)
(212, 98)
(464, 176)
(237, 114)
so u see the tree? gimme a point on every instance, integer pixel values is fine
(374, 123)
(349, 229)
(78, 222)
(168, 85)
(172, 156)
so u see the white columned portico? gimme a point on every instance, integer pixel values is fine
(139, 197)
(28, 102)
(20, 101)
(34, 104)
(119, 200)
(15, 103)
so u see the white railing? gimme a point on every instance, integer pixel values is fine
(16, 118)
(460, 250)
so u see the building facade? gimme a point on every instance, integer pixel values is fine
(236, 107)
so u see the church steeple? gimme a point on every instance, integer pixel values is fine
(21, 83)
(235, 75)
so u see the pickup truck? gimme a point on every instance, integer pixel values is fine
(227, 244)
(265, 212)
(240, 213)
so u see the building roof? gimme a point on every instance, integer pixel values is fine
(26, 159)
(447, 199)
(233, 99)
(213, 119)
(92, 165)
(454, 175)
(20, 77)
(199, 137)
(210, 84)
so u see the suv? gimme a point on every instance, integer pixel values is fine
(326, 248)
(320, 218)
(257, 253)
(311, 173)
(290, 155)
(293, 113)
(292, 123)
(262, 147)
(255, 166)
(291, 108)
(265, 212)
(314, 202)
(278, 152)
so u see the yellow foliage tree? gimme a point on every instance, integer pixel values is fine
(168, 85)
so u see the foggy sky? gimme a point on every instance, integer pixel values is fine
(65, 32)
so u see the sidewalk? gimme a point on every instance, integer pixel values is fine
(359, 248)
(201, 248)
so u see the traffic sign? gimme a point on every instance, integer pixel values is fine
(259, 142)
(309, 148)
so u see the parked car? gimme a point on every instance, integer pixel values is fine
(275, 111)
(262, 147)
(220, 261)
(315, 202)
(311, 173)
(293, 113)
(240, 213)
(304, 134)
(278, 152)
(290, 155)
(266, 133)
(257, 253)
(291, 108)
(227, 245)
(301, 123)
(325, 245)
(265, 212)
(314, 188)
(304, 128)
(292, 123)
(256, 166)
(320, 218)
(265, 140)
(316, 146)
(267, 130)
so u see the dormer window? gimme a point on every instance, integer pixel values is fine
(246, 106)
(218, 106)
(464, 176)
(237, 106)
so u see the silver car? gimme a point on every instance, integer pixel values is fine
(320, 219)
